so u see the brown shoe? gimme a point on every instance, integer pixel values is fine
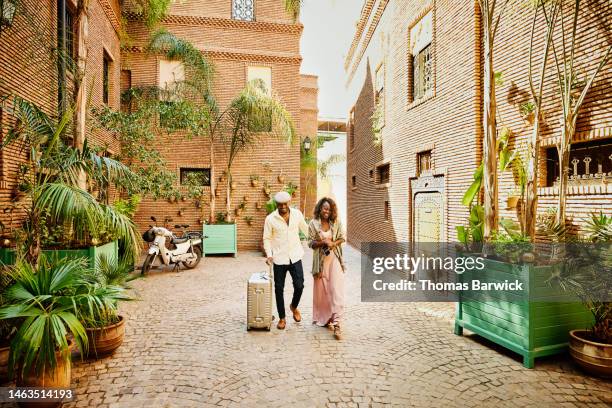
(337, 332)
(281, 324)
(296, 314)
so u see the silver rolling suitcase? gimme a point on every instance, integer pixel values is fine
(259, 301)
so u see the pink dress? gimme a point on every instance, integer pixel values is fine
(328, 292)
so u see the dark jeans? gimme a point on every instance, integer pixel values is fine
(297, 275)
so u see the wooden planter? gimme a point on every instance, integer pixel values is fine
(595, 358)
(110, 250)
(105, 340)
(533, 323)
(222, 239)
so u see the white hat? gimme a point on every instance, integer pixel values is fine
(282, 197)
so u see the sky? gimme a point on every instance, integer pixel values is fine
(329, 26)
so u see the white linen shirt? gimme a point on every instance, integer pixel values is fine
(282, 241)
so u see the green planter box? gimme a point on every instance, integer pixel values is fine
(535, 328)
(110, 250)
(222, 239)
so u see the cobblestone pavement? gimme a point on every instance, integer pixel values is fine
(187, 345)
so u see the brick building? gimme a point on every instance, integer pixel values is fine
(244, 40)
(29, 68)
(414, 69)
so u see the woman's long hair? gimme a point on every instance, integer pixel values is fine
(333, 213)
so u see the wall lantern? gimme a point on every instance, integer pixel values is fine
(8, 8)
(306, 144)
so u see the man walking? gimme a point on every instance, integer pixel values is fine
(281, 238)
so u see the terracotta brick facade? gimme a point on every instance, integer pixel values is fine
(309, 119)
(28, 69)
(271, 40)
(447, 122)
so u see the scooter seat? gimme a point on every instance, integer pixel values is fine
(176, 241)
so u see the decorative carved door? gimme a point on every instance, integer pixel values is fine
(428, 217)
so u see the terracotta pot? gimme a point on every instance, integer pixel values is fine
(183, 198)
(105, 340)
(245, 199)
(4, 360)
(238, 212)
(254, 183)
(595, 358)
(58, 378)
(281, 179)
(512, 202)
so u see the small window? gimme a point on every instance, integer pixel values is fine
(351, 129)
(588, 162)
(171, 74)
(70, 51)
(243, 10)
(263, 74)
(387, 211)
(354, 181)
(125, 84)
(424, 162)
(421, 58)
(106, 68)
(383, 173)
(195, 177)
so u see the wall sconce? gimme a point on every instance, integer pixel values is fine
(8, 8)
(307, 144)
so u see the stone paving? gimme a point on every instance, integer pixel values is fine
(187, 345)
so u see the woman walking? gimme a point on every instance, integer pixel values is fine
(326, 235)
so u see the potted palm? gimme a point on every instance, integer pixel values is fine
(104, 325)
(47, 299)
(7, 327)
(587, 276)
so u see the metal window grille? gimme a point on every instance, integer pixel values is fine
(243, 10)
(422, 74)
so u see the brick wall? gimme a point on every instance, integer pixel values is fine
(309, 92)
(445, 123)
(29, 69)
(232, 46)
(449, 122)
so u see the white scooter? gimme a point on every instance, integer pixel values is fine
(185, 250)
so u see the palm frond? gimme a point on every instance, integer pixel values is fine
(172, 47)
(68, 204)
(325, 165)
(293, 8)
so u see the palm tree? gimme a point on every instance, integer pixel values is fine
(50, 180)
(249, 116)
(196, 87)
